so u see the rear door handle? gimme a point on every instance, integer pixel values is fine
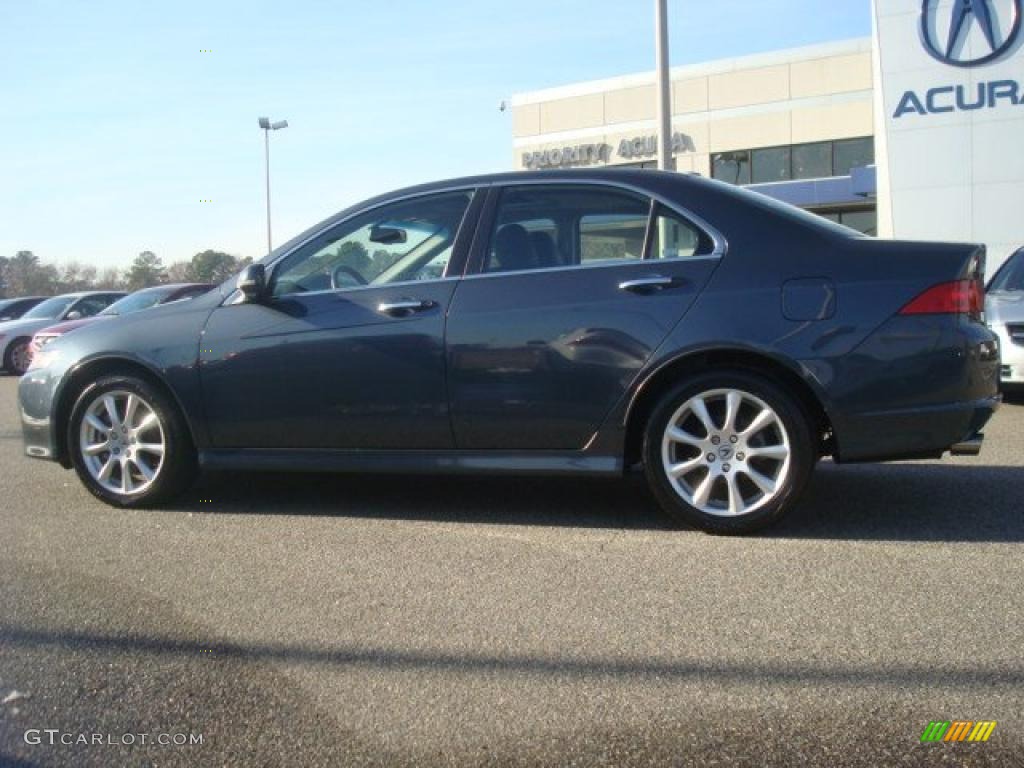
(403, 307)
(646, 284)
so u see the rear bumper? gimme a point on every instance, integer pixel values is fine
(918, 433)
(916, 387)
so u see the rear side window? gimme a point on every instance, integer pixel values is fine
(544, 227)
(540, 227)
(673, 237)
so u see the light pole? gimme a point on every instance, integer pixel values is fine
(664, 96)
(267, 127)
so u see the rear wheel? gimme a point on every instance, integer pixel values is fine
(129, 443)
(728, 452)
(18, 356)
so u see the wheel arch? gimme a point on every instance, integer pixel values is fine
(666, 375)
(79, 379)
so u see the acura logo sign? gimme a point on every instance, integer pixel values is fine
(995, 25)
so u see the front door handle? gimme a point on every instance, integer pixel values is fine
(403, 307)
(646, 284)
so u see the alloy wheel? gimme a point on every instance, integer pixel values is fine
(122, 442)
(726, 452)
(21, 356)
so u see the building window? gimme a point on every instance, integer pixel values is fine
(865, 222)
(733, 167)
(818, 160)
(812, 161)
(852, 153)
(772, 164)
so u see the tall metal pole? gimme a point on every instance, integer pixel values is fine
(665, 161)
(266, 153)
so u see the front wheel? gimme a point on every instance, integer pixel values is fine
(728, 452)
(129, 443)
(18, 357)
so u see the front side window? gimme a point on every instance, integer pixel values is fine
(49, 309)
(540, 227)
(135, 302)
(408, 240)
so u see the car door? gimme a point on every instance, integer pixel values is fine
(347, 349)
(572, 287)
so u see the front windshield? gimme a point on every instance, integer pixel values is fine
(135, 302)
(1010, 276)
(49, 309)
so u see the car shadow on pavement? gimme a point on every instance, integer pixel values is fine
(900, 502)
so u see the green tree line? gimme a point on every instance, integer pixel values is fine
(25, 274)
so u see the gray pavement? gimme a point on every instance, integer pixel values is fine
(316, 620)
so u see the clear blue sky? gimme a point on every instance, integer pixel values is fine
(114, 124)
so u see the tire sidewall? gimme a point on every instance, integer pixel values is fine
(9, 355)
(179, 455)
(794, 418)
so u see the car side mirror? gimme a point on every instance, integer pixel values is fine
(74, 314)
(252, 283)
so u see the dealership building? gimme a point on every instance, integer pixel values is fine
(915, 132)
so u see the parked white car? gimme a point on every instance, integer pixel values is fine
(1004, 312)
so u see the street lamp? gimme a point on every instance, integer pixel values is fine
(665, 161)
(267, 127)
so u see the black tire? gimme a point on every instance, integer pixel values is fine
(9, 356)
(802, 454)
(179, 466)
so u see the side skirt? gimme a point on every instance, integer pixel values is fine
(416, 462)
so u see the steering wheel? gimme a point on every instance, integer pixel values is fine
(344, 276)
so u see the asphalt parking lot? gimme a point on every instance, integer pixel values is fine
(312, 620)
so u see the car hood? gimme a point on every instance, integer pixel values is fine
(24, 327)
(1005, 307)
(70, 325)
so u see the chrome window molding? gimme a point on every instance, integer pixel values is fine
(354, 288)
(603, 264)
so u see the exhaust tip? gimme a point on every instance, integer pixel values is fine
(969, 447)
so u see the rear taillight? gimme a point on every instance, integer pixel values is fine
(958, 297)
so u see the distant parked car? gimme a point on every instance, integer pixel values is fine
(144, 299)
(554, 322)
(16, 335)
(12, 309)
(1004, 311)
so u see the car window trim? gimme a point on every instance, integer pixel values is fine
(475, 262)
(475, 191)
